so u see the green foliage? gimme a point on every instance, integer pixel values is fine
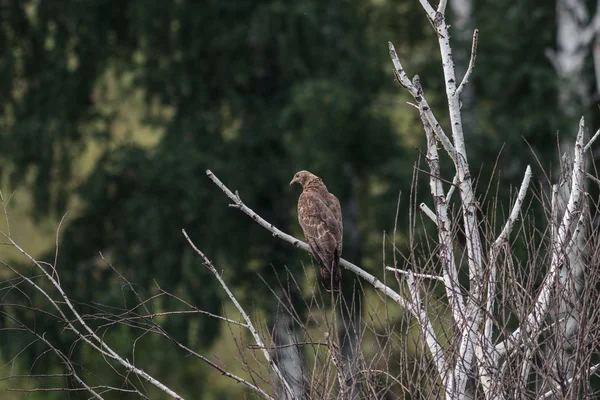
(253, 90)
(516, 84)
(257, 90)
(52, 53)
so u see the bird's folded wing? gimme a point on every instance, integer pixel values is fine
(316, 219)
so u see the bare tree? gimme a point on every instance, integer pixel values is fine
(485, 337)
(575, 33)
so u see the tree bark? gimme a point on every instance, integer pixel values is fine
(574, 37)
(463, 25)
(287, 353)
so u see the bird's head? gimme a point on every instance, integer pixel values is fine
(303, 177)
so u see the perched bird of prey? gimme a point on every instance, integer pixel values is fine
(320, 217)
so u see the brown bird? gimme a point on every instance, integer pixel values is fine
(320, 216)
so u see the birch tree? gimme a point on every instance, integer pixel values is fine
(576, 31)
(482, 338)
(502, 363)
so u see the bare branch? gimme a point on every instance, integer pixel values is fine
(251, 328)
(431, 12)
(551, 393)
(465, 79)
(334, 353)
(485, 346)
(451, 189)
(425, 208)
(426, 276)
(588, 32)
(96, 342)
(421, 102)
(514, 214)
(592, 140)
(377, 284)
(560, 242)
(442, 7)
(444, 225)
(427, 329)
(433, 344)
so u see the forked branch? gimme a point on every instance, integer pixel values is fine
(249, 323)
(433, 343)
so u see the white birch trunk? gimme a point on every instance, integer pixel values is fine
(287, 353)
(575, 32)
(596, 54)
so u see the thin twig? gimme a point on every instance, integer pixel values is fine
(424, 107)
(551, 393)
(427, 328)
(485, 346)
(425, 208)
(251, 328)
(560, 245)
(426, 276)
(591, 141)
(451, 189)
(97, 343)
(465, 79)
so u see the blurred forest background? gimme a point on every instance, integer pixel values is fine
(111, 111)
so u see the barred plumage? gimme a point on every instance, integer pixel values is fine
(320, 216)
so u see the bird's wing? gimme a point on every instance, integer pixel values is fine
(315, 216)
(334, 205)
(320, 225)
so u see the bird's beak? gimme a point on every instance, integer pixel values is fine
(293, 181)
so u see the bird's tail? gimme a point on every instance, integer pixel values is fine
(331, 277)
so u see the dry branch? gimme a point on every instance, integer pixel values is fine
(249, 323)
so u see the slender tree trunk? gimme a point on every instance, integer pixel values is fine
(596, 54)
(463, 25)
(350, 329)
(574, 37)
(287, 353)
